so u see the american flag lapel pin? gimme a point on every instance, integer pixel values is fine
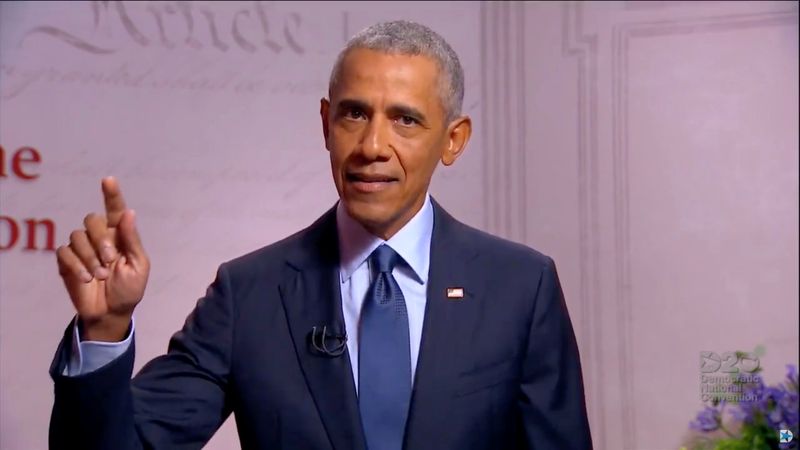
(455, 293)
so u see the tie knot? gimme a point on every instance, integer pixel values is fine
(384, 258)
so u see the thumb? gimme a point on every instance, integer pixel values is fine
(130, 243)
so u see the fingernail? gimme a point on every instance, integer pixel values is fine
(85, 276)
(108, 253)
(100, 272)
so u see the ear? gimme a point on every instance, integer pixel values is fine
(324, 107)
(458, 134)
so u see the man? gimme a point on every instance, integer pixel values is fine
(386, 324)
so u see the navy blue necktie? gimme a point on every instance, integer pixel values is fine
(384, 357)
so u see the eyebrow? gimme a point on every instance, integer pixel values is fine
(394, 109)
(350, 103)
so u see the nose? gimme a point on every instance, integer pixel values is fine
(375, 140)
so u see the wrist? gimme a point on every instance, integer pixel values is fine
(110, 328)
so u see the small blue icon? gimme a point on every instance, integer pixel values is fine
(786, 436)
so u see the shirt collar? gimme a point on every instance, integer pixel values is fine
(412, 242)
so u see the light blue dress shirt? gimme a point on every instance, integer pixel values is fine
(89, 356)
(412, 243)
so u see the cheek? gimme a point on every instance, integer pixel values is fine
(337, 163)
(338, 149)
(418, 163)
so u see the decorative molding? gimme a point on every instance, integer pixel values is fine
(583, 47)
(622, 35)
(503, 127)
(504, 94)
(661, 4)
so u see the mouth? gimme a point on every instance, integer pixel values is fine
(366, 182)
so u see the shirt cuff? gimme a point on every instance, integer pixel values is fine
(86, 357)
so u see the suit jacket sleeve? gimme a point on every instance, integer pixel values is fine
(552, 401)
(176, 401)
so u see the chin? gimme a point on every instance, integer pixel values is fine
(370, 214)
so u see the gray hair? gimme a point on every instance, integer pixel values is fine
(409, 38)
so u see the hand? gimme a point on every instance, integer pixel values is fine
(105, 268)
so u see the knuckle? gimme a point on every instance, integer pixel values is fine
(61, 252)
(76, 235)
(66, 268)
(92, 220)
(90, 259)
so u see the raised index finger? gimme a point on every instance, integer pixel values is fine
(115, 203)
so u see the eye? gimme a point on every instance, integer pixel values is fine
(354, 114)
(407, 121)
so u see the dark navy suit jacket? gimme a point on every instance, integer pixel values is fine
(498, 369)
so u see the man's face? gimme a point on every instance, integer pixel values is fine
(385, 130)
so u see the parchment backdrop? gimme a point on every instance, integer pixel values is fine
(650, 148)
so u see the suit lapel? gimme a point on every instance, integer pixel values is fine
(311, 298)
(446, 328)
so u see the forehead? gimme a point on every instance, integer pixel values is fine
(374, 76)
